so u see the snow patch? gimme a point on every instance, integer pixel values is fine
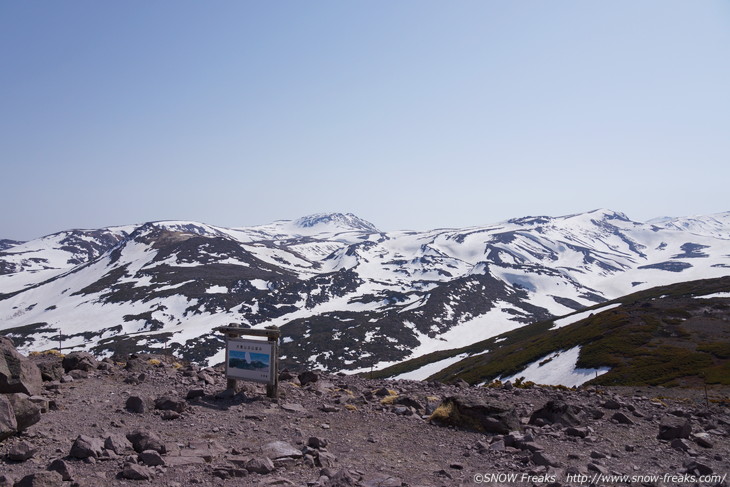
(422, 373)
(560, 370)
(569, 320)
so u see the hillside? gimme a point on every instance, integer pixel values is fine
(669, 335)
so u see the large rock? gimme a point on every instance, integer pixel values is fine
(556, 412)
(86, 446)
(137, 404)
(118, 443)
(262, 465)
(146, 440)
(476, 414)
(27, 412)
(79, 361)
(280, 449)
(50, 366)
(8, 423)
(41, 479)
(171, 403)
(672, 427)
(62, 467)
(17, 373)
(21, 451)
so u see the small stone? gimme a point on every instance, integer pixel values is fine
(326, 459)
(680, 444)
(593, 467)
(169, 415)
(21, 452)
(62, 467)
(151, 458)
(117, 443)
(136, 404)
(87, 447)
(308, 377)
(280, 449)
(621, 418)
(132, 471)
(41, 479)
(146, 440)
(194, 393)
(170, 403)
(542, 458)
(611, 404)
(578, 432)
(316, 442)
(260, 465)
(703, 440)
(672, 427)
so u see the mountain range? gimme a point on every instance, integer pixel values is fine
(345, 295)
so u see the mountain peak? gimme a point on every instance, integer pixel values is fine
(340, 221)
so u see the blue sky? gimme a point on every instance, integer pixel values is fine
(410, 114)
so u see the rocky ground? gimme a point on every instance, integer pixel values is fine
(149, 420)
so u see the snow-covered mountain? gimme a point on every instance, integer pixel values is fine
(346, 295)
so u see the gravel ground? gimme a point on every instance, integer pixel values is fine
(346, 430)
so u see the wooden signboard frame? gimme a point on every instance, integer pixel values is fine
(236, 338)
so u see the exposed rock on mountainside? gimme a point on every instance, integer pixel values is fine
(352, 431)
(334, 282)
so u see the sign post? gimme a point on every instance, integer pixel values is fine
(250, 358)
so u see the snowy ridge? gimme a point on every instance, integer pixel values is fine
(346, 295)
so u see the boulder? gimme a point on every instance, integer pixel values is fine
(280, 449)
(578, 432)
(118, 443)
(170, 403)
(479, 415)
(672, 427)
(133, 471)
(17, 373)
(621, 418)
(151, 458)
(50, 366)
(261, 465)
(146, 440)
(41, 479)
(307, 377)
(193, 393)
(543, 459)
(556, 412)
(27, 412)
(8, 423)
(79, 361)
(136, 404)
(86, 446)
(21, 451)
(62, 467)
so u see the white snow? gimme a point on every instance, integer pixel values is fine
(569, 320)
(216, 290)
(560, 370)
(715, 295)
(428, 370)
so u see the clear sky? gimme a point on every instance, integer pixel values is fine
(411, 114)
